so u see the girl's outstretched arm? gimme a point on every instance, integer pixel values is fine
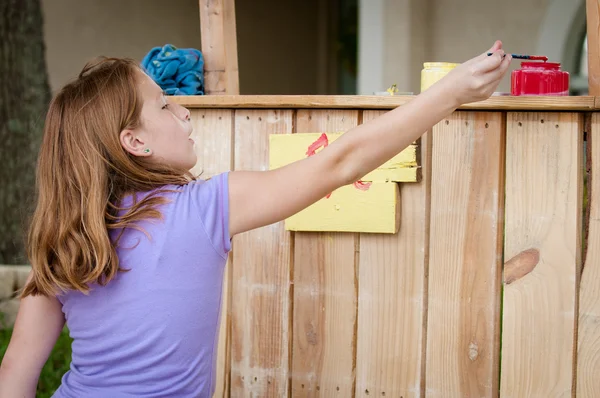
(39, 322)
(259, 198)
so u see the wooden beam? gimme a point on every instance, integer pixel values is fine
(219, 47)
(571, 103)
(593, 40)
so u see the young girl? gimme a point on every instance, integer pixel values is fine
(128, 248)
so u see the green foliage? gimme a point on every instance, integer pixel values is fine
(56, 366)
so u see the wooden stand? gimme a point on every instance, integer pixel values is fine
(490, 245)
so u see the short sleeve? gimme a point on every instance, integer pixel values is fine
(212, 202)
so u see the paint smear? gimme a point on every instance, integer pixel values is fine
(323, 142)
(363, 186)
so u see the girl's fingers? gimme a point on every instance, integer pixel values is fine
(491, 63)
(497, 46)
(493, 77)
(498, 73)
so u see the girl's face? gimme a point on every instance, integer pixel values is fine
(164, 134)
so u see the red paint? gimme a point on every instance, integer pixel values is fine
(363, 186)
(322, 141)
(540, 78)
(538, 58)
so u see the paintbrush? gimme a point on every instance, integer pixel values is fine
(529, 57)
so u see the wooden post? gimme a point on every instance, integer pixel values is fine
(219, 46)
(593, 33)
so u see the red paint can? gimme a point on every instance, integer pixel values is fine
(539, 78)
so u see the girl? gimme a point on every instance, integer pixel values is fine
(128, 248)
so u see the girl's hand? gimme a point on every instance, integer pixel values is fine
(476, 79)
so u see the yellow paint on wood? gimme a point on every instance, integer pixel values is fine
(288, 148)
(369, 207)
(349, 209)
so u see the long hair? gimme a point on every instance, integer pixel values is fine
(83, 173)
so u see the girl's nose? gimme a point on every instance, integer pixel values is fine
(183, 113)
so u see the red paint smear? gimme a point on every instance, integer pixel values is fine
(363, 186)
(538, 58)
(322, 141)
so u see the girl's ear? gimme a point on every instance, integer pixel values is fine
(133, 143)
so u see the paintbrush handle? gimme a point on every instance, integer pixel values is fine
(531, 57)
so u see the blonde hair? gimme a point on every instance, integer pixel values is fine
(83, 172)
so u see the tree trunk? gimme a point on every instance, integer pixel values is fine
(24, 97)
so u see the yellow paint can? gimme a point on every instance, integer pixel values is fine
(434, 71)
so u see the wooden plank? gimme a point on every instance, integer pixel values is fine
(567, 103)
(324, 318)
(465, 256)
(261, 275)
(392, 299)
(588, 351)
(219, 46)
(213, 141)
(543, 216)
(593, 42)
(213, 137)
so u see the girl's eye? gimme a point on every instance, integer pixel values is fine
(165, 106)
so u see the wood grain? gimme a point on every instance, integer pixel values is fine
(219, 46)
(588, 352)
(543, 212)
(213, 141)
(593, 45)
(465, 256)
(392, 295)
(572, 103)
(324, 292)
(213, 137)
(261, 275)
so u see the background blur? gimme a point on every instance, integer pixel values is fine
(323, 46)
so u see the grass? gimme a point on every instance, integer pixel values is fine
(55, 367)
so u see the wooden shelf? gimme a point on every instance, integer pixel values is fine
(574, 103)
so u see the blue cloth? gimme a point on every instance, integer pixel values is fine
(178, 71)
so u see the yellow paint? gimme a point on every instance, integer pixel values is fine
(287, 148)
(348, 209)
(434, 71)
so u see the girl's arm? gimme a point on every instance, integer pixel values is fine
(259, 198)
(39, 322)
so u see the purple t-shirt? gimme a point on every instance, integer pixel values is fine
(152, 331)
